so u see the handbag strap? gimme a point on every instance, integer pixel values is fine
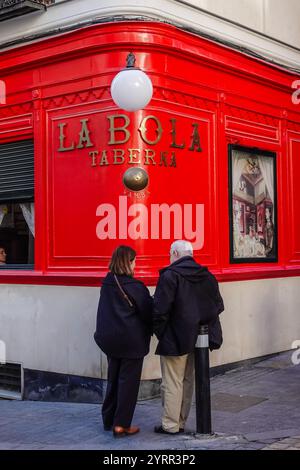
(123, 292)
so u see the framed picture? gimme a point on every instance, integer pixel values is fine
(252, 205)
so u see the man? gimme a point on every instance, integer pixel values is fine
(187, 296)
(2, 255)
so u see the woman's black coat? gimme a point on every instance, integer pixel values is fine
(123, 331)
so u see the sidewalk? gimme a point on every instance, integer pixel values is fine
(256, 407)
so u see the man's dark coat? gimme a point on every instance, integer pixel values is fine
(187, 296)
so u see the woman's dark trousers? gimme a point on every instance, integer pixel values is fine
(123, 380)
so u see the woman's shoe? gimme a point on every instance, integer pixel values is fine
(119, 431)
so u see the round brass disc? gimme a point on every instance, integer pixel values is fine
(135, 179)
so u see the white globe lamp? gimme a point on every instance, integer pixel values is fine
(131, 89)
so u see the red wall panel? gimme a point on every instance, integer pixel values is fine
(226, 96)
(81, 179)
(292, 209)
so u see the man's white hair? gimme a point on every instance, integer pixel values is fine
(182, 247)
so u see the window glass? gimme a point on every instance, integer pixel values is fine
(16, 234)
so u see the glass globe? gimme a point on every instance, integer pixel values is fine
(131, 89)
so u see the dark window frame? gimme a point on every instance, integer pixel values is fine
(26, 179)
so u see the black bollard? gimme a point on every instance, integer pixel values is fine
(202, 382)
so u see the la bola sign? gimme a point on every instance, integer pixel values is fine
(94, 197)
(119, 130)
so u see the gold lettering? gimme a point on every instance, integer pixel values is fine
(173, 133)
(62, 138)
(143, 130)
(149, 153)
(132, 155)
(118, 153)
(173, 160)
(104, 160)
(163, 159)
(93, 154)
(195, 139)
(84, 135)
(113, 129)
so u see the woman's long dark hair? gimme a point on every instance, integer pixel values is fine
(121, 259)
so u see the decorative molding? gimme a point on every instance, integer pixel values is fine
(183, 99)
(293, 126)
(77, 98)
(14, 124)
(16, 109)
(251, 129)
(284, 113)
(232, 140)
(247, 115)
(98, 94)
(36, 93)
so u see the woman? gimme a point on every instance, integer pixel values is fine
(123, 332)
(2, 255)
(269, 232)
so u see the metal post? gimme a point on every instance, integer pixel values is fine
(202, 381)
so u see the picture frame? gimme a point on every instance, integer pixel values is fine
(252, 205)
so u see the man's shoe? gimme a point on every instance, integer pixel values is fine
(161, 430)
(119, 431)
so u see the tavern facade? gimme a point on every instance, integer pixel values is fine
(221, 136)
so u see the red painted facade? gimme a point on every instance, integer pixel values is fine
(206, 97)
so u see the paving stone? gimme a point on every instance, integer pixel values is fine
(272, 434)
(278, 446)
(233, 402)
(262, 421)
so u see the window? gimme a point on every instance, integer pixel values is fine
(16, 205)
(253, 208)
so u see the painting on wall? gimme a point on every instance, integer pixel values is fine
(252, 205)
